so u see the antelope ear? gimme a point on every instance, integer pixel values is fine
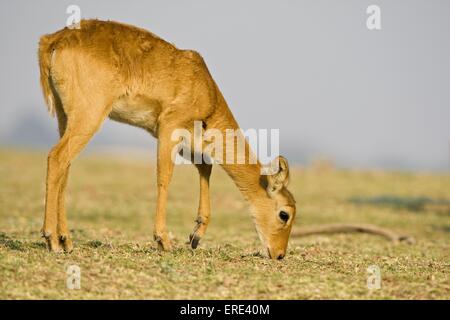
(281, 178)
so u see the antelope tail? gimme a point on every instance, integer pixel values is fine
(45, 58)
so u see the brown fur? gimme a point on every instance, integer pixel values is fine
(116, 70)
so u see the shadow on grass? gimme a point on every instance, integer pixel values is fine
(445, 228)
(414, 204)
(18, 245)
(9, 243)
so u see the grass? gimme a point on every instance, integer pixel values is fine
(111, 201)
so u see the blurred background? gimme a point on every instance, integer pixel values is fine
(336, 90)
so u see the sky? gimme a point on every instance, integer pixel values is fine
(336, 90)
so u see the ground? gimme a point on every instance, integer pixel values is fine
(111, 200)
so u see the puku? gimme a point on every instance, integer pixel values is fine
(109, 69)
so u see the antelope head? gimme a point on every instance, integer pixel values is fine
(275, 214)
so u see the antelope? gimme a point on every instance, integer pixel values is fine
(109, 69)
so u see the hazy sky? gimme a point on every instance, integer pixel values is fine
(310, 68)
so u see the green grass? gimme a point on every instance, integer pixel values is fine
(111, 201)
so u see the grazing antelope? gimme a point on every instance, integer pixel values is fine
(109, 69)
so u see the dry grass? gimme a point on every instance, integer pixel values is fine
(111, 204)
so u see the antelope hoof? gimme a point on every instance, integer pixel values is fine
(52, 242)
(163, 242)
(194, 239)
(66, 243)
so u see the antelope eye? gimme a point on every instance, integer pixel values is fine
(284, 216)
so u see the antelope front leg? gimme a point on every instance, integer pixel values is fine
(204, 209)
(164, 175)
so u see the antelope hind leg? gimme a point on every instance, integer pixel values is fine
(70, 145)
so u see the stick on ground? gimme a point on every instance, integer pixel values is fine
(352, 228)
